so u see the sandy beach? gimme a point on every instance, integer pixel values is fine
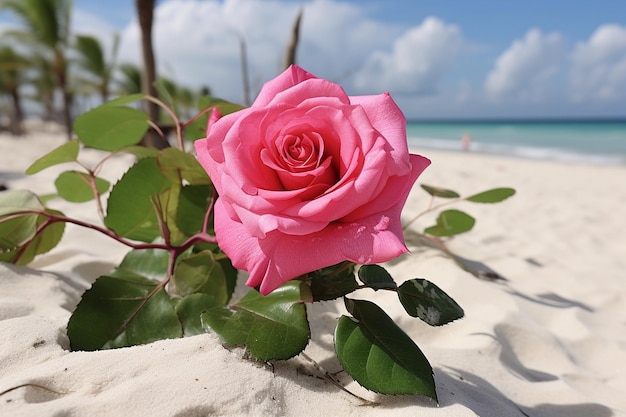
(550, 341)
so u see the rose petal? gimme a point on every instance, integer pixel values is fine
(288, 78)
(386, 117)
(396, 186)
(312, 90)
(214, 116)
(281, 213)
(242, 162)
(279, 258)
(259, 225)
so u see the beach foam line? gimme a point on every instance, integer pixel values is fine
(519, 151)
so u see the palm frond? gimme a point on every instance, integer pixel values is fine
(91, 55)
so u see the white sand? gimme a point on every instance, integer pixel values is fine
(551, 341)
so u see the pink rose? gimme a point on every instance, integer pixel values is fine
(308, 177)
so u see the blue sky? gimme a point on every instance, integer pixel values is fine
(439, 59)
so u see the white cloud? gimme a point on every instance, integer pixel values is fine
(524, 71)
(338, 37)
(83, 23)
(197, 42)
(599, 66)
(194, 43)
(416, 62)
(464, 93)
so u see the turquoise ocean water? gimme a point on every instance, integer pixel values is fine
(591, 141)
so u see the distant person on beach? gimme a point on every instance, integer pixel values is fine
(466, 142)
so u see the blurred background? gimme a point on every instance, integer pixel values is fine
(466, 62)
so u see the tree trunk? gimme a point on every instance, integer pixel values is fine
(61, 74)
(17, 115)
(48, 104)
(104, 92)
(67, 117)
(145, 14)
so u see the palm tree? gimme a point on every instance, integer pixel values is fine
(47, 24)
(183, 99)
(180, 98)
(187, 100)
(130, 80)
(91, 59)
(44, 83)
(12, 66)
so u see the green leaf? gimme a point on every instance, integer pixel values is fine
(150, 263)
(121, 101)
(68, 152)
(20, 240)
(44, 241)
(74, 186)
(178, 165)
(48, 238)
(451, 222)
(192, 207)
(189, 310)
(10, 255)
(16, 231)
(196, 129)
(201, 273)
(110, 128)
(47, 197)
(14, 201)
(122, 311)
(225, 107)
(130, 209)
(440, 192)
(167, 204)
(423, 299)
(376, 277)
(270, 327)
(140, 151)
(332, 282)
(231, 273)
(492, 196)
(165, 95)
(379, 355)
